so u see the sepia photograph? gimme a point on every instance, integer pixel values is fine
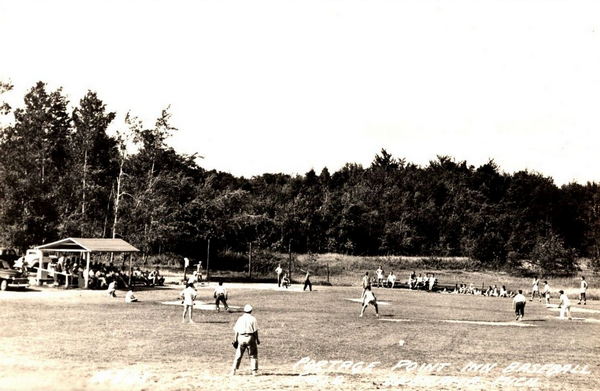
(299, 195)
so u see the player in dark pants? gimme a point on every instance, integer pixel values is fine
(519, 302)
(307, 282)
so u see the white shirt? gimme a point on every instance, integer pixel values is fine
(519, 298)
(369, 297)
(129, 297)
(188, 294)
(379, 273)
(220, 290)
(392, 278)
(584, 286)
(564, 300)
(536, 285)
(246, 324)
(279, 270)
(546, 288)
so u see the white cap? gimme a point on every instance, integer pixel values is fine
(247, 308)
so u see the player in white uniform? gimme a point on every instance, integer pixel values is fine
(246, 337)
(369, 298)
(279, 272)
(129, 297)
(112, 288)
(535, 289)
(582, 290)
(380, 276)
(546, 292)
(565, 305)
(188, 295)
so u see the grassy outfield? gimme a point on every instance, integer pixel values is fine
(54, 339)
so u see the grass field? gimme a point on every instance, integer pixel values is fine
(54, 339)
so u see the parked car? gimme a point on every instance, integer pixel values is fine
(11, 278)
(31, 259)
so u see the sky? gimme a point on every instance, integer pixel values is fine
(289, 86)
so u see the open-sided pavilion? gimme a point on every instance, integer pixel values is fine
(86, 246)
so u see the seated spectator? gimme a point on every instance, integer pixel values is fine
(503, 292)
(285, 281)
(391, 280)
(129, 297)
(432, 281)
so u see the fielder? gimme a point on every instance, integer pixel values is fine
(546, 292)
(369, 298)
(246, 337)
(519, 303)
(188, 295)
(564, 305)
(582, 290)
(279, 272)
(535, 289)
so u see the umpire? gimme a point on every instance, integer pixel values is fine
(246, 337)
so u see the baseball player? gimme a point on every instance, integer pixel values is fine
(112, 288)
(519, 303)
(279, 272)
(246, 337)
(366, 283)
(188, 295)
(220, 296)
(369, 298)
(582, 290)
(535, 289)
(380, 276)
(564, 305)
(546, 292)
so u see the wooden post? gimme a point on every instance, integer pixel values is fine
(208, 260)
(250, 261)
(86, 277)
(130, 269)
(290, 260)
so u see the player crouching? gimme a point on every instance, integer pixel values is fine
(369, 298)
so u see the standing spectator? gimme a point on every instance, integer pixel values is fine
(369, 298)
(188, 295)
(220, 296)
(546, 292)
(246, 337)
(564, 305)
(380, 276)
(582, 290)
(519, 303)
(279, 272)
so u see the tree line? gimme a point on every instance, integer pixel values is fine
(62, 175)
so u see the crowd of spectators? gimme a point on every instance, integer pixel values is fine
(100, 275)
(427, 282)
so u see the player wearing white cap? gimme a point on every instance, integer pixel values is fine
(246, 337)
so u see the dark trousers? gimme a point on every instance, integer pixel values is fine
(520, 308)
(308, 284)
(221, 299)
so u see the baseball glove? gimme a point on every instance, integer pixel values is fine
(234, 344)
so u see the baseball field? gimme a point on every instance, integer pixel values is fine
(56, 339)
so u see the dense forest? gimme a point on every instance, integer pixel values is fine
(62, 175)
